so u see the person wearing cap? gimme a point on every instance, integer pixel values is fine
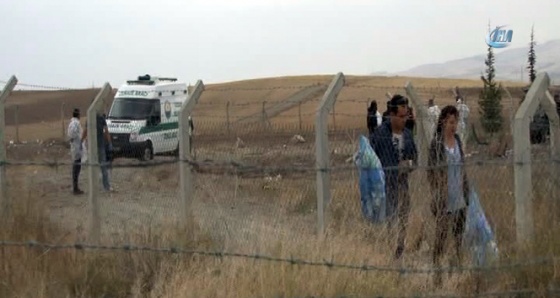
(74, 134)
(394, 145)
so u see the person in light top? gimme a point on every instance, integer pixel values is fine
(447, 177)
(75, 137)
(433, 114)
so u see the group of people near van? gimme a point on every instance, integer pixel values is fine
(78, 146)
(78, 149)
(391, 136)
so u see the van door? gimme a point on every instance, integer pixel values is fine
(170, 125)
(154, 125)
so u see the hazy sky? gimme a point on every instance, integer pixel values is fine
(73, 43)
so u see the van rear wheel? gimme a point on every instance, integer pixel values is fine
(148, 152)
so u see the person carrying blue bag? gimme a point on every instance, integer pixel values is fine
(450, 186)
(372, 182)
(394, 145)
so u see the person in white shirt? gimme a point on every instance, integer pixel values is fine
(462, 123)
(75, 137)
(433, 114)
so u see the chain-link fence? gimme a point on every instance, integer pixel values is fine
(254, 206)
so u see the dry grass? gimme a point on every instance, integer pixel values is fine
(67, 273)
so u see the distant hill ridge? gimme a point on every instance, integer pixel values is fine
(509, 63)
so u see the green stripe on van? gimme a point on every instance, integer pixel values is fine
(159, 127)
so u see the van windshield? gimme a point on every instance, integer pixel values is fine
(133, 108)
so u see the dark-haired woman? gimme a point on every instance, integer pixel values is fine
(373, 117)
(448, 180)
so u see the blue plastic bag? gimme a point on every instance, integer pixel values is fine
(372, 182)
(478, 236)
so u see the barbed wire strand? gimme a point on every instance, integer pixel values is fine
(302, 262)
(212, 88)
(268, 258)
(505, 293)
(208, 88)
(244, 168)
(234, 104)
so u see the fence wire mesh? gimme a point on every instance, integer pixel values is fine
(254, 206)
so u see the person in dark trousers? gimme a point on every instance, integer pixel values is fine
(75, 137)
(373, 117)
(394, 145)
(191, 133)
(104, 144)
(386, 113)
(557, 102)
(448, 180)
(109, 155)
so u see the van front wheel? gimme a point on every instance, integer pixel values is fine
(148, 152)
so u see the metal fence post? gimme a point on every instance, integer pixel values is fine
(322, 148)
(300, 119)
(62, 116)
(16, 116)
(5, 201)
(523, 184)
(187, 190)
(423, 136)
(334, 118)
(93, 160)
(549, 106)
(512, 104)
(263, 112)
(227, 117)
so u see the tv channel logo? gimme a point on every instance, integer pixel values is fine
(499, 37)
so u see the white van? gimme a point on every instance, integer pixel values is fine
(143, 120)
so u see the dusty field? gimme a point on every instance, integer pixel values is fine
(40, 111)
(253, 211)
(155, 190)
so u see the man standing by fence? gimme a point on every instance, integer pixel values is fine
(394, 145)
(74, 134)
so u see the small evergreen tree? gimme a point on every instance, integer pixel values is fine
(490, 98)
(532, 57)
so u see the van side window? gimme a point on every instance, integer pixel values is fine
(155, 115)
(157, 108)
